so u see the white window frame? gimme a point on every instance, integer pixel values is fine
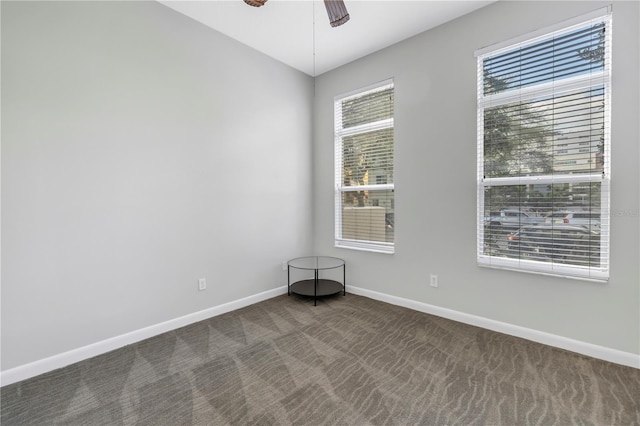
(591, 273)
(339, 134)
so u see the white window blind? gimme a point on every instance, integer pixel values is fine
(364, 188)
(544, 167)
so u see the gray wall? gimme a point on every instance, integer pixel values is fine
(435, 78)
(140, 152)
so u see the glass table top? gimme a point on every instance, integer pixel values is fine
(316, 262)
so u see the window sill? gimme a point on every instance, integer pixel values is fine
(552, 270)
(388, 248)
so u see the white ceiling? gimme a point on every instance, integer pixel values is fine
(297, 32)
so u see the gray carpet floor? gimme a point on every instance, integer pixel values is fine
(348, 361)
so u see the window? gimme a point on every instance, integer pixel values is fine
(534, 92)
(364, 189)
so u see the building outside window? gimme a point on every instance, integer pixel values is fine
(540, 98)
(364, 158)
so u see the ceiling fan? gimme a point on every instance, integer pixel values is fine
(336, 10)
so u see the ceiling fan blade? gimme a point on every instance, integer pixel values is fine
(337, 12)
(255, 3)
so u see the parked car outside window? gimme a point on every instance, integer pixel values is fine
(584, 218)
(560, 243)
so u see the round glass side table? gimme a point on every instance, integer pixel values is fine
(316, 287)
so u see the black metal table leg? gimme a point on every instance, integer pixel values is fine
(344, 280)
(315, 287)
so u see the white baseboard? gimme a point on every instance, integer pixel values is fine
(64, 359)
(584, 348)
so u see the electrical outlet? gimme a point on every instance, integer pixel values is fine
(202, 284)
(434, 280)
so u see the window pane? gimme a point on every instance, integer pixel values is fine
(367, 108)
(578, 52)
(555, 134)
(547, 223)
(543, 151)
(368, 158)
(364, 160)
(368, 215)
